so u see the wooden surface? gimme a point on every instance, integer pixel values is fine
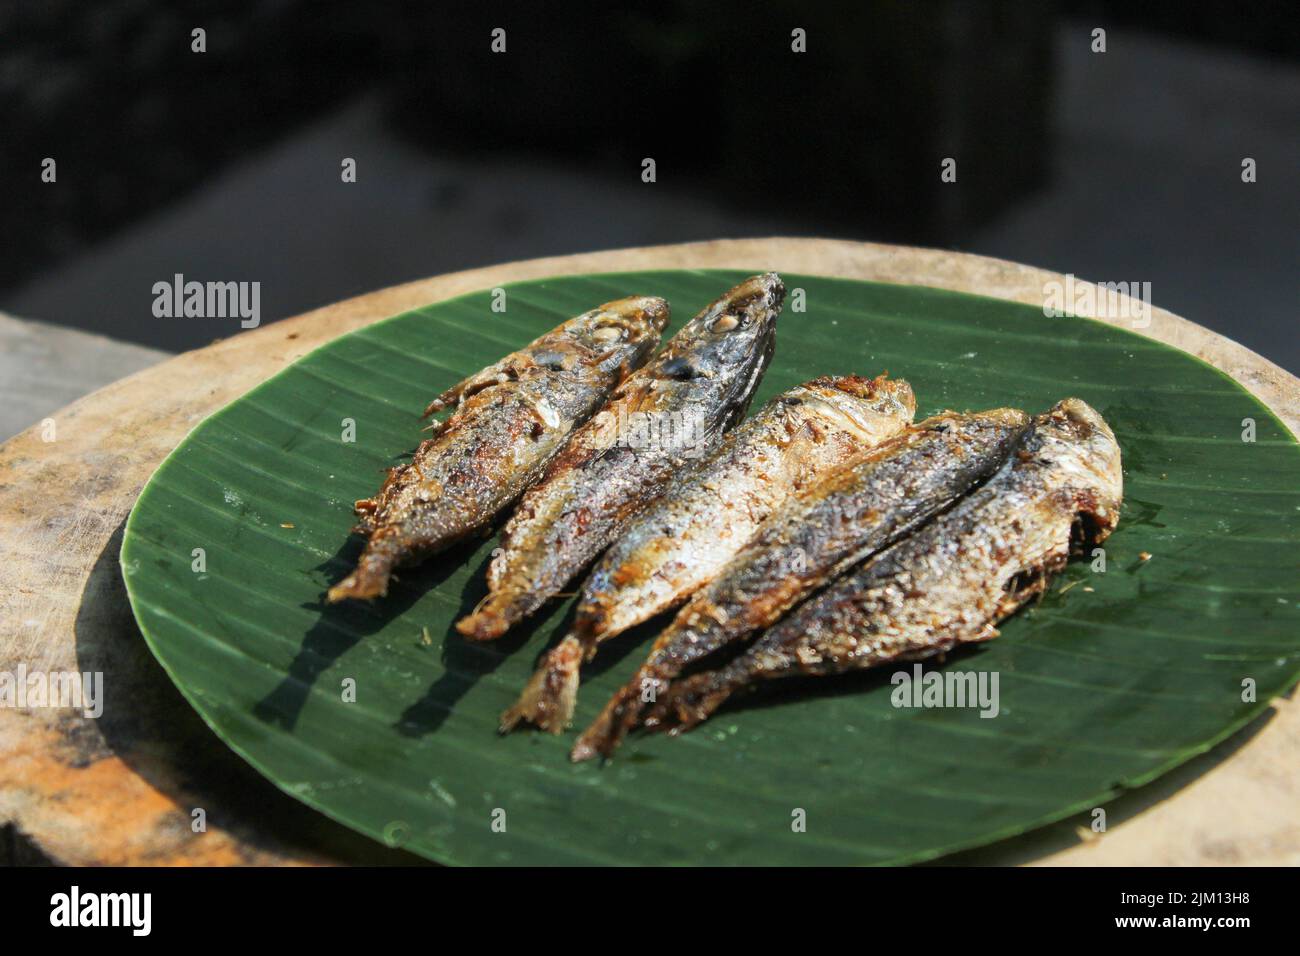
(122, 789)
(44, 367)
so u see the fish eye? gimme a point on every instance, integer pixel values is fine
(550, 360)
(726, 323)
(608, 333)
(679, 368)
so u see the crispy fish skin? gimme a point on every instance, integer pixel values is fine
(695, 389)
(682, 540)
(853, 512)
(951, 582)
(511, 419)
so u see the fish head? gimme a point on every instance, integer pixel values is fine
(873, 409)
(625, 329)
(1077, 438)
(731, 340)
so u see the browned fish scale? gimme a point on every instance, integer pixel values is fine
(707, 513)
(665, 416)
(853, 512)
(949, 583)
(511, 419)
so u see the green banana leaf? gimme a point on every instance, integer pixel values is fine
(1115, 677)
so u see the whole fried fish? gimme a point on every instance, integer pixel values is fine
(706, 515)
(853, 512)
(949, 583)
(511, 419)
(672, 411)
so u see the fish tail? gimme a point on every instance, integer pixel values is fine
(606, 731)
(374, 569)
(618, 718)
(491, 617)
(550, 694)
(692, 701)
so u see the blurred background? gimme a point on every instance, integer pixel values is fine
(1123, 165)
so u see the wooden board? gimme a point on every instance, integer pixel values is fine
(124, 788)
(43, 367)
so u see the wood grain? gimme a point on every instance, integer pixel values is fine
(123, 789)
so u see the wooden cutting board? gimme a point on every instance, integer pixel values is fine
(125, 788)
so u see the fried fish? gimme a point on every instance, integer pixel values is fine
(853, 512)
(664, 416)
(706, 515)
(949, 583)
(510, 420)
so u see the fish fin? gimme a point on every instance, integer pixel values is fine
(549, 697)
(365, 509)
(490, 618)
(606, 732)
(620, 715)
(369, 579)
(365, 583)
(583, 750)
(690, 702)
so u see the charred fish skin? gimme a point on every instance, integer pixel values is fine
(510, 420)
(682, 540)
(693, 391)
(855, 511)
(951, 582)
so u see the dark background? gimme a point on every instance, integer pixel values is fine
(224, 165)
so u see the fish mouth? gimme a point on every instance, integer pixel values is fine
(761, 296)
(766, 285)
(654, 310)
(1080, 416)
(858, 403)
(638, 316)
(1075, 418)
(760, 299)
(754, 302)
(1084, 424)
(759, 358)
